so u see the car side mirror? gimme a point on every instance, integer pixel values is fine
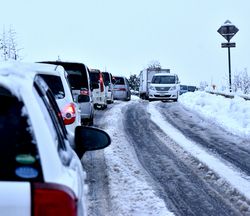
(89, 139)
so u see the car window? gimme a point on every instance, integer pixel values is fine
(94, 77)
(55, 84)
(106, 78)
(53, 110)
(76, 81)
(183, 87)
(77, 69)
(163, 79)
(119, 81)
(55, 119)
(19, 157)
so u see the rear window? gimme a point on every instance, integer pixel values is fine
(94, 77)
(19, 158)
(55, 84)
(119, 81)
(163, 79)
(191, 88)
(77, 69)
(76, 81)
(106, 78)
(183, 87)
(74, 68)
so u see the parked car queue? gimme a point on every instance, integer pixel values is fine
(44, 175)
(42, 137)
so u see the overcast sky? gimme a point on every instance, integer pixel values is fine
(124, 36)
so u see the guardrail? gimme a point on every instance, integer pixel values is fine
(229, 95)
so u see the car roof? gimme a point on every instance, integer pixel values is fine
(95, 71)
(63, 63)
(14, 76)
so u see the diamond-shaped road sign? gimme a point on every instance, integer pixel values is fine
(228, 30)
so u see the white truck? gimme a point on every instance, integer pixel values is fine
(146, 78)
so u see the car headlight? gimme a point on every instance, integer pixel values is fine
(152, 88)
(173, 88)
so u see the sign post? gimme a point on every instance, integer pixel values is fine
(228, 30)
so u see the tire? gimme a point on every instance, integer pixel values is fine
(91, 121)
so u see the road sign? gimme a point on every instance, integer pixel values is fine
(226, 45)
(228, 30)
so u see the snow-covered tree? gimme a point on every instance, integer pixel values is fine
(241, 82)
(8, 45)
(134, 82)
(203, 85)
(154, 65)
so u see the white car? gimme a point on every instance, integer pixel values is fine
(40, 174)
(98, 89)
(164, 86)
(56, 78)
(78, 77)
(108, 87)
(121, 88)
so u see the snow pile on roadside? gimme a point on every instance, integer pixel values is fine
(130, 193)
(232, 114)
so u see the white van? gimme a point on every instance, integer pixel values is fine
(98, 89)
(164, 86)
(108, 87)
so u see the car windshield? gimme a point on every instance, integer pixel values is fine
(19, 158)
(55, 84)
(163, 79)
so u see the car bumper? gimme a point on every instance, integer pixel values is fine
(156, 95)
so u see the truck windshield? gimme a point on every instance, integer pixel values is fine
(163, 79)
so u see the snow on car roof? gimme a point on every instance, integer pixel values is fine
(14, 76)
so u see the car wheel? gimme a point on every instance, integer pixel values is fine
(91, 121)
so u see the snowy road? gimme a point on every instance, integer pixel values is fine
(232, 148)
(145, 172)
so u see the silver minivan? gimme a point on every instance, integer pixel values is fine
(78, 76)
(121, 88)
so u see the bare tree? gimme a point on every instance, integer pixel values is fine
(3, 46)
(9, 48)
(154, 64)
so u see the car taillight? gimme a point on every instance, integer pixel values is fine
(101, 82)
(50, 199)
(69, 114)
